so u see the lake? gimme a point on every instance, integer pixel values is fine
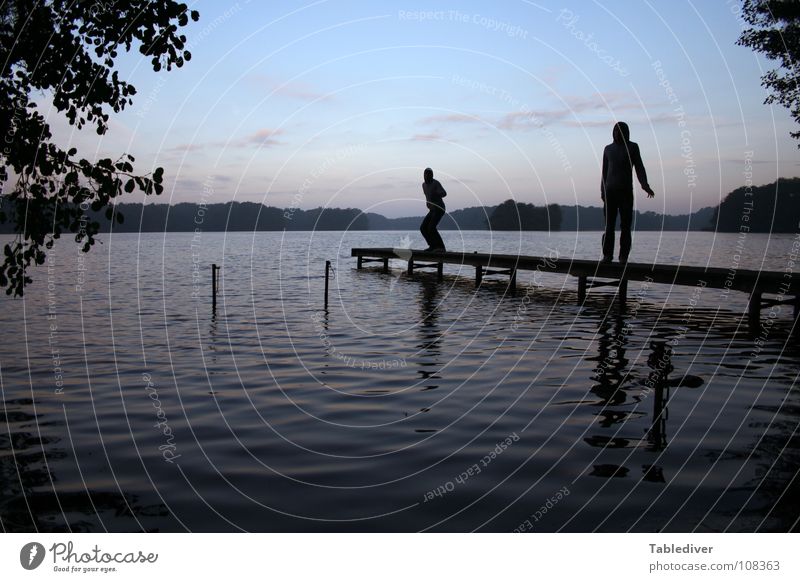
(129, 404)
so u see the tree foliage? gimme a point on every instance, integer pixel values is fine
(776, 34)
(64, 51)
(512, 215)
(769, 208)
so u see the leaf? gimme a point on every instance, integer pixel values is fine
(77, 71)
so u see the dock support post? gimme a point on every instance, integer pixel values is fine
(512, 283)
(327, 270)
(754, 310)
(360, 262)
(478, 275)
(214, 269)
(410, 266)
(796, 313)
(439, 271)
(622, 293)
(386, 265)
(581, 288)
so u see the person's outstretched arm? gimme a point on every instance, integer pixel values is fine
(641, 174)
(603, 176)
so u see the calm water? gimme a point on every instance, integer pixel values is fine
(128, 404)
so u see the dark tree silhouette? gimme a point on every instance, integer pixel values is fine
(771, 208)
(511, 215)
(776, 34)
(66, 51)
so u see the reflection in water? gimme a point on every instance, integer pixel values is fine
(608, 471)
(429, 346)
(274, 452)
(428, 318)
(211, 359)
(653, 474)
(611, 373)
(660, 361)
(31, 499)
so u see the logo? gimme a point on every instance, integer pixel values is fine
(404, 252)
(31, 555)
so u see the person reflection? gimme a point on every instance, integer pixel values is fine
(611, 373)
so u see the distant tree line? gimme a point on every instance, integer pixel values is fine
(771, 208)
(512, 215)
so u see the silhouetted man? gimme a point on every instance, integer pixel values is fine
(616, 190)
(434, 194)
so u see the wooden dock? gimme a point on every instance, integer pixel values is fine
(783, 286)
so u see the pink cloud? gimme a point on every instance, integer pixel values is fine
(452, 118)
(292, 89)
(427, 137)
(262, 137)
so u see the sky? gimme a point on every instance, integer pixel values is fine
(340, 103)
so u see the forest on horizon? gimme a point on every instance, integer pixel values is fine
(772, 207)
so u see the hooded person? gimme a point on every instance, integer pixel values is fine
(434, 198)
(620, 158)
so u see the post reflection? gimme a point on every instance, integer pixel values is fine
(660, 363)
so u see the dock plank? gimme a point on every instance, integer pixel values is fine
(744, 280)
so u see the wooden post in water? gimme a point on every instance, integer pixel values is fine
(478, 275)
(796, 314)
(439, 271)
(327, 270)
(754, 311)
(581, 288)
(622, 292)
(214, 285)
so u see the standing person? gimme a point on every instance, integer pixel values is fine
(616, 189)
(434, 194)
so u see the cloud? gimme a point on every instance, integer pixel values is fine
(186, 147)
(451, 118)
(608, 100)
(527, 118)
(264, 137)
(292, 89)
(605, 103)
(434, 136)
